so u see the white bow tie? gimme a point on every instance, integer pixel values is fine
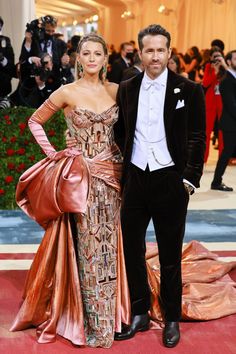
(148, 83)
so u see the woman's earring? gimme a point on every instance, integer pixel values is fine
(104, 73)
(80, 69)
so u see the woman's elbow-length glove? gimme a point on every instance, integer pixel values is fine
(39, 117)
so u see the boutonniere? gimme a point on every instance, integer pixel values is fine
(176, 90)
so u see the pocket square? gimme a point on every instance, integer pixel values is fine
(180, 104)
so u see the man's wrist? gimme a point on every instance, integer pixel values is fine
(190, 189)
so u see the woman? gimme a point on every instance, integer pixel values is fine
(214, 71)
(79, 294)
(192, 64)
(174, 65)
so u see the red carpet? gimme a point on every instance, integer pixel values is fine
(212, 337)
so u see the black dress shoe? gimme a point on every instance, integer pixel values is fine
(171, 334)
(140, 323)
(221, 187)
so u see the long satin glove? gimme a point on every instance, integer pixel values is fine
(39, 117)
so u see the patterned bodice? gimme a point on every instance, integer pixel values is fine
(93, 131)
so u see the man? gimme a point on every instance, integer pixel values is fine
(34, 90)
(6, 67)
(227, 122)
(122, 63)
(39, 39)
(161, 132)
(133, 70)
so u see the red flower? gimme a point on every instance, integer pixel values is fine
(20, 167)
(9, 179)
(4, 139)
(7, 117)
(2, 191)
(10, 152)
(13, 139)
(26, 142)
(22, 126)
(51, 132)
(32, 158)
(21, 151)
(10, 166)
(8, 122)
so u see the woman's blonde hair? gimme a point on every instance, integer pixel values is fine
(91, 37)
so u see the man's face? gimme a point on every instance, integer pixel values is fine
(233, 62)
(49, 29)
(127, 49)
(155, 54)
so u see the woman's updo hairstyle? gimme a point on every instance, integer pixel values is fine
(92, 37)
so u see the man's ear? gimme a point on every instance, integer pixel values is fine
(140, 54)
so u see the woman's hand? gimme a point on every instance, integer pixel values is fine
(68, 152)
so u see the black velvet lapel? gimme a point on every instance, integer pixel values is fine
(133, 88)
(174, 92)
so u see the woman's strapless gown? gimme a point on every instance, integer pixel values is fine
(77, 285)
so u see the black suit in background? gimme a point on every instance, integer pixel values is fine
(130, 72)
(227, 124)
(118, 67)
(160, 194)
(7, 71)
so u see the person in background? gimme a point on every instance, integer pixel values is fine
(227, 123)
(123, 62)
(7, 68)
(135, 69)
(192, 65)
(174, 65)
(213, 73)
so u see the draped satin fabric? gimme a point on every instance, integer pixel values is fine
(52, 297)
(208, 290)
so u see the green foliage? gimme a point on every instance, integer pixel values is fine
(19, 150)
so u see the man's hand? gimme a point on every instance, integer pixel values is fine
(70, 140)
(189, 188)
(39, 82)
(36, 61)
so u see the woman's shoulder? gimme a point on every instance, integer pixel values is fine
(111, 88)
(62, 96)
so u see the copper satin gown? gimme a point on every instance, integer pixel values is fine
(78, 289)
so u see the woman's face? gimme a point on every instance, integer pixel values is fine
(92, 57)
(172, 65)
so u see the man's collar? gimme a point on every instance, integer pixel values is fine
(161, 79)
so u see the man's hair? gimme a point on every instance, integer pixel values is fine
(48, 19)
(1, 21)
(218, 43)
(230, 55)
(153, 30)
(124, 44)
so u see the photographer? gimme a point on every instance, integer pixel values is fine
(214, 71)
(6, 67)
(43, 80)
(39, 39)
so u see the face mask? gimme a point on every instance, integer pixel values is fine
(129, 56)
(47, 36)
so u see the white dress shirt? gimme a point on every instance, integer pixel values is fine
(150, 146)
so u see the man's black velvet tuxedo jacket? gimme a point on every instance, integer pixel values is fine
(185, 127)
